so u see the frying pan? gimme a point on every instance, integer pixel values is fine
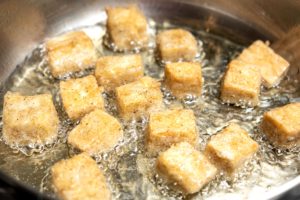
(26, 23)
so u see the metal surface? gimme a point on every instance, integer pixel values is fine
(26, 23)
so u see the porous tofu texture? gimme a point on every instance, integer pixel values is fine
(271, 65)
(183, 78)
(170, 127)
(127, 27)
(71, 52)
(114, 71)
(29, 119)
(96, 133)
(241, 84)
(139, 98)
(79, 178)
(176, 44)
(230, 148)
(81, 96)
(188, 167)
(282, 125)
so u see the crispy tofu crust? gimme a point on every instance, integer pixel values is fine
(241, 84)
(176, 45)
(271, 65)
(282, 125)
(81, 96)
(230, 148)
(97, 132)
(186, 166)
(139, 98)
(29, 119)
(184, 78)
(79, 178)
(71, 52)
(170, 127)
(127, 27)
(114, 71)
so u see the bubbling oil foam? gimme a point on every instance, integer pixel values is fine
(129, 171)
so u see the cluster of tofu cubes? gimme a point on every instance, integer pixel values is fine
(171, 134)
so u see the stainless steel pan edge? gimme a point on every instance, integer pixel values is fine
(26, 23)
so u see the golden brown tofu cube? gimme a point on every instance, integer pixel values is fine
(230, 148)
(29, 119)
(114, 71)
(81, 96)
(170, 127)
(282, 125)
(71, 52)
(241, 84)
(271, 65)
(127, 27)
(79, 178)
(183, 78)
(176, 45)
(139, 97)
(97, 132)
(188, 167)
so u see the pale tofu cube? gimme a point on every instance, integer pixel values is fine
(114, 71)
(97, 132)
(183, 78)
(189, 168)
(79, 178)
(81, 96)
(139, 98)
(282, 125)
(241, 84)
(170, 127)
(176, 45)
(231, 148)
(127, 27)
(29, 120)
(271, 65)
(71, 52)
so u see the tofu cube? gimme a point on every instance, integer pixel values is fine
(241, 84)
(271, 65)
(79, 178)
(183, 78)
(176, 45)
(231, 148)
(114, 71)
(189, 168)
(96, 133)
(71, 52)
(139, 98)
(169, 127)
(81, 96)
(127, 27)
(282, 125)
(29, 119)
